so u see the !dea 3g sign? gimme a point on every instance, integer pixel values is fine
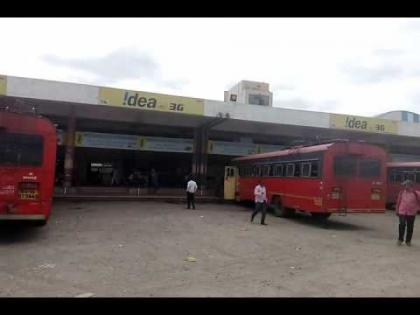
(151, 101)
(366, 124)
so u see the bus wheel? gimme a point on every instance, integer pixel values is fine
(279, 210)
(320, 215)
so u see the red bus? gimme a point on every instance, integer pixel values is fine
(27, 165)
(397, 173)
(338, 177)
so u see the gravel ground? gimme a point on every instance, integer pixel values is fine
(119, 249)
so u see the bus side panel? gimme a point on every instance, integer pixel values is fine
(246, 188)
(302, 194)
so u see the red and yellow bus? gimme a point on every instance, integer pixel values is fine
(338, 177)
(397, 173)
(27, 165)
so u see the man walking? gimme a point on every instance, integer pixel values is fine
(408, 203)
(191, 189)
(260, 194)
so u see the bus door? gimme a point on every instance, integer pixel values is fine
(231, 178)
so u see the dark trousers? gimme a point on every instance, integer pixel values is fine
(190, 200)
(406, 220)
(259, 206)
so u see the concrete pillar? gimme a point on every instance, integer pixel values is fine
(203, 162)
(195, 167)
(69, 156)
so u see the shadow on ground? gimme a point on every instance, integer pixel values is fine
(16, 232)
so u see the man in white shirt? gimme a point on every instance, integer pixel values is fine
(191, 189)
(260, 194)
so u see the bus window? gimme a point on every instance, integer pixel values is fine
(306, 169)
(369, 168)
(256, 170)
(393, 175)
(266, 170)
(290, 170)
(345, 165)
(398, 176)
(417, 174)
(278, 170)
(297, 170)
(314, 169)
(409, 175)
(21, 149)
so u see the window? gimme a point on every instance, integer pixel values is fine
(297, 170)
(393, 175)
(404, 116)
(256, 170)
(306, 169)
(290, 170)
(416, 118)
(266, 170)
(409, 175)
(369, 168)
(256, 99)
(278, 170)
(21, 149)
(314, 168)
(417, 172)
(345, 165)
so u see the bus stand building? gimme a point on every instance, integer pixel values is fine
(103, 131)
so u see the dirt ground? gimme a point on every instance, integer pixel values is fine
(140, 249)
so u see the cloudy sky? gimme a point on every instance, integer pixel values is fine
(352, 66)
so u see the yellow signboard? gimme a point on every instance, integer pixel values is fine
(151, 101)
(364, 124)
(3, 85)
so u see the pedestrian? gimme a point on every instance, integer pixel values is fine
(260, 194)
(408, 203)
(191, 189)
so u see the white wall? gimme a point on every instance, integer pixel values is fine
(409, 129)
(395, 115)
(267, 114)
(52, 90)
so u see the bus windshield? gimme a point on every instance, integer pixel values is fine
(21, 149)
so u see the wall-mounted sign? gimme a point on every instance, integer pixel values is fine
(364, 124)
(150, 101)
(231, 148)
(165, 144)
(106, 140)
(3, 85)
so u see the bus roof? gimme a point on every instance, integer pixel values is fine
(25, 121)
(314, 148)
(403, 164)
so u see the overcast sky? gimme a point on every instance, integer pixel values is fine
(351, 66)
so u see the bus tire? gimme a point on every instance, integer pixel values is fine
(320, 215)
(279, 210)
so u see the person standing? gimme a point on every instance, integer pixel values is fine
(191, 189)
(260, 194)
(408, 203)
